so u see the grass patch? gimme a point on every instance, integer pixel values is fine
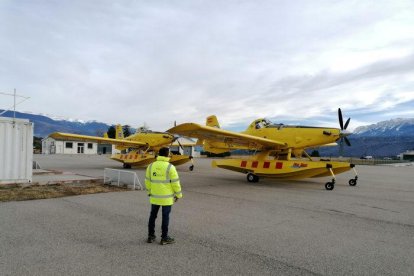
(17, 192)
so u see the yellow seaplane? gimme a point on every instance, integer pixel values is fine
(279, 149)
(137, 150)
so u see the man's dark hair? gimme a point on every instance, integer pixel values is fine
(164, 152)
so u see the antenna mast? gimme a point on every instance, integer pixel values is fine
(15, 96)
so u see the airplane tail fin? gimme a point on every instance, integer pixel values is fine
(212, 121)
(119, 132)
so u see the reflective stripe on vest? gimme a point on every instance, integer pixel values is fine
(168, 172)
(162, 196)
(160, 181)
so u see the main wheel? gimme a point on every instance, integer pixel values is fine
(252, 178)
(352, 182)
(329, 186)
(191, 167)
(126, 166)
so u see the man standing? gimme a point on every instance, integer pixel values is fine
(163, 187)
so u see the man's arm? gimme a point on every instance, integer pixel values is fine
(148, 179)
(175, 182)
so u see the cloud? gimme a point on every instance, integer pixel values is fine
(160, 61)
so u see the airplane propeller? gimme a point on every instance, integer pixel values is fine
(344, 132)
(176, 138)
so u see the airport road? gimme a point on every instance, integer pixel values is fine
(223, 225)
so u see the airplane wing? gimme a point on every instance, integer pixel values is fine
(229, 137)
(96, 139)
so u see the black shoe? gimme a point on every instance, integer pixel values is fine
(167, 240)
(151, 238)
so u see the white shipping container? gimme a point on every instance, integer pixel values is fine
(16, 150)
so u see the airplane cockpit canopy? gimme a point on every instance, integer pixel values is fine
(266, 123)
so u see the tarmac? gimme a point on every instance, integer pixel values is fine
(223, 225)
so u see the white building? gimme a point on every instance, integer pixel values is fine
(53, 146)
(408, 155)
(188, 147)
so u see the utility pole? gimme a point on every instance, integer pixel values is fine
(14, 105)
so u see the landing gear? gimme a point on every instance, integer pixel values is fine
(252, 177)
(126, 166)
(192, 163)
(353, 181)
(330, 185)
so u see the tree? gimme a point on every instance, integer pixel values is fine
(111, 132)
(315, 153)
(127, 130)
(37, 144)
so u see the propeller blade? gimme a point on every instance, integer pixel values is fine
(178, 141)
(347, 142)
(347, 123)
(341, 121)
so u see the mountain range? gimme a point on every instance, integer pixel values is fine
(396, 127)
(387, 138)
(44, 125)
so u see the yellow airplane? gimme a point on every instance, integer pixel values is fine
(142, 146)
(279, 148)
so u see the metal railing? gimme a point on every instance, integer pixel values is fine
(358, 161)
(35, 165)
(373, 161)
(122, 176)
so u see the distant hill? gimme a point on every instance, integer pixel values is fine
(44, 125)
(374, 146)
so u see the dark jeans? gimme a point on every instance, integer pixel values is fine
(165, 220)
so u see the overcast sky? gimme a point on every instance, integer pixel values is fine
(159, 61)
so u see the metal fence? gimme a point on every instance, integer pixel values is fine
(358, 161)
(118, 177)
(36, 165)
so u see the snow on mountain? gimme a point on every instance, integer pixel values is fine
(394, 127)
(44, 125)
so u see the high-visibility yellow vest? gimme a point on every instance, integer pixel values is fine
(162, 182)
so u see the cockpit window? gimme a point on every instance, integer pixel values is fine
(266, 122)
(262, 123)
